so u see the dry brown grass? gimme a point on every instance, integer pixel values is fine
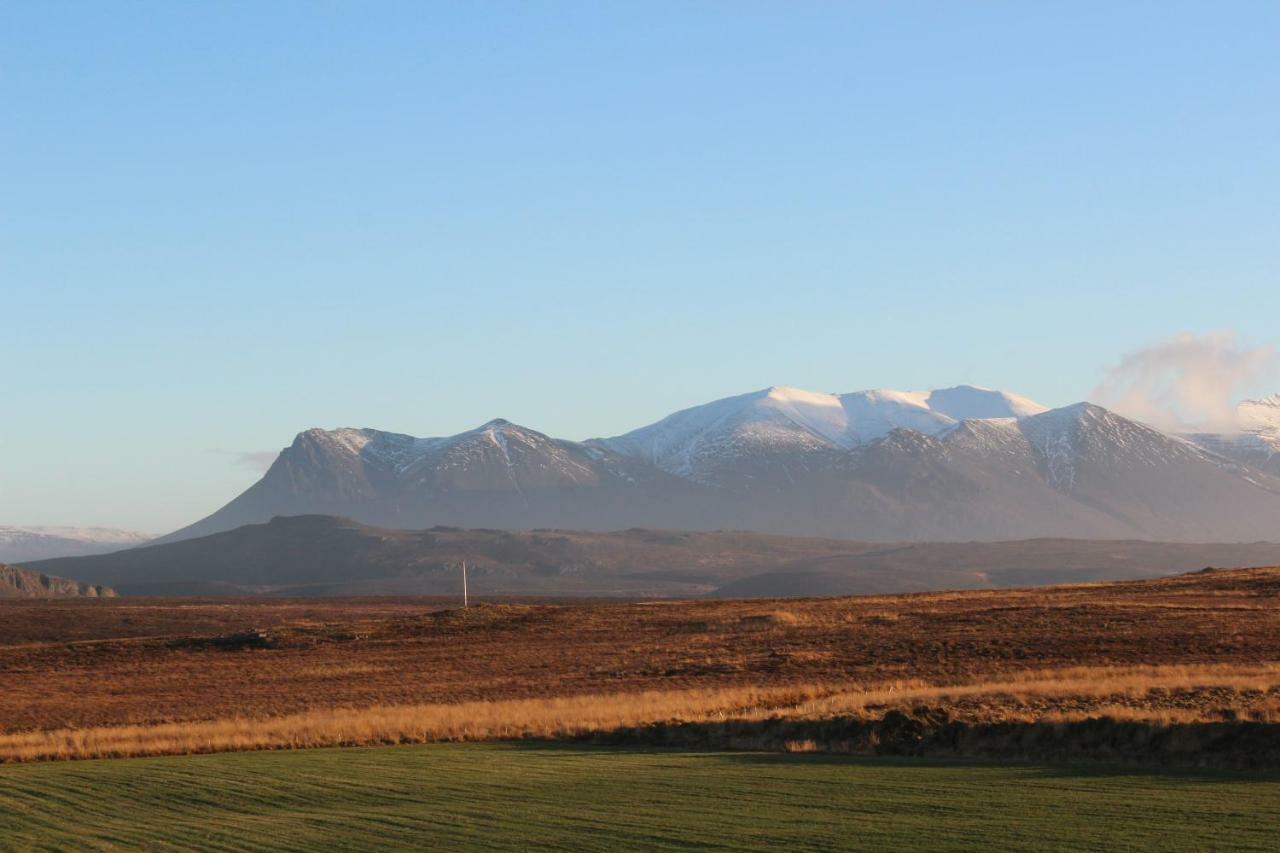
(1117, 693)
(339, 670)
(559, 717)
(84, 678)
(1134, 683)
(806, 745)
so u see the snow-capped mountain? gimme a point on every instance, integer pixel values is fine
(958, 463)
(706, 443)
(19, 544)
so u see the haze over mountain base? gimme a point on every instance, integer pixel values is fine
(325, 556)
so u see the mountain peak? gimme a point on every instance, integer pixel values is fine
(1083, 408)
(348, 439)
(790, 392)
(498, 429)
(1079, 415)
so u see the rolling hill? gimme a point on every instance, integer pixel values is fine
(322, 555)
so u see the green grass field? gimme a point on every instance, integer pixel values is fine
(487, 795)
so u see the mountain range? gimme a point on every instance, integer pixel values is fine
(322, 555)
(960, 463)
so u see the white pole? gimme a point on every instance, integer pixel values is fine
(464, 584)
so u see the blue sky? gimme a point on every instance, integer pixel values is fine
(221, 223)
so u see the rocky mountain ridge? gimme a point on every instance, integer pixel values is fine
(951, 464)
(17, 582)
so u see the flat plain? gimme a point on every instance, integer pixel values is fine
(486, 796)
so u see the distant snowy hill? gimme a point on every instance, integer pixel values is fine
(882, 465)
(19, 544)
(1257, 441)
(1261, 416)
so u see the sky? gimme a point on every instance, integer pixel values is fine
(225, 222)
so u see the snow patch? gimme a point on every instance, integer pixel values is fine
(783, 419)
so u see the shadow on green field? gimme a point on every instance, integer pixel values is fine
(930, 733)
(1039, 769)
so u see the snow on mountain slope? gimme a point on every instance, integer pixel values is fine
(696, 441)
(875, 414)
(1259, 450)
(1157, 484)
(772, 420)
(1086, 434)
(497, 444)
(500, 454)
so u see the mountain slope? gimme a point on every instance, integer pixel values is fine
(17, 582)
(499, 474)
(957, 463)
(320, 555)
(1162, 485)
(1259, 451)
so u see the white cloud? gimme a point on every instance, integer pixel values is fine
(258, 460)
(1186, 383)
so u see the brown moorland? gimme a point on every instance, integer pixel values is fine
(138, 676)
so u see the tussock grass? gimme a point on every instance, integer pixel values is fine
(1138, 683)
(1123, 693)
(560, 717)
(340, 670)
